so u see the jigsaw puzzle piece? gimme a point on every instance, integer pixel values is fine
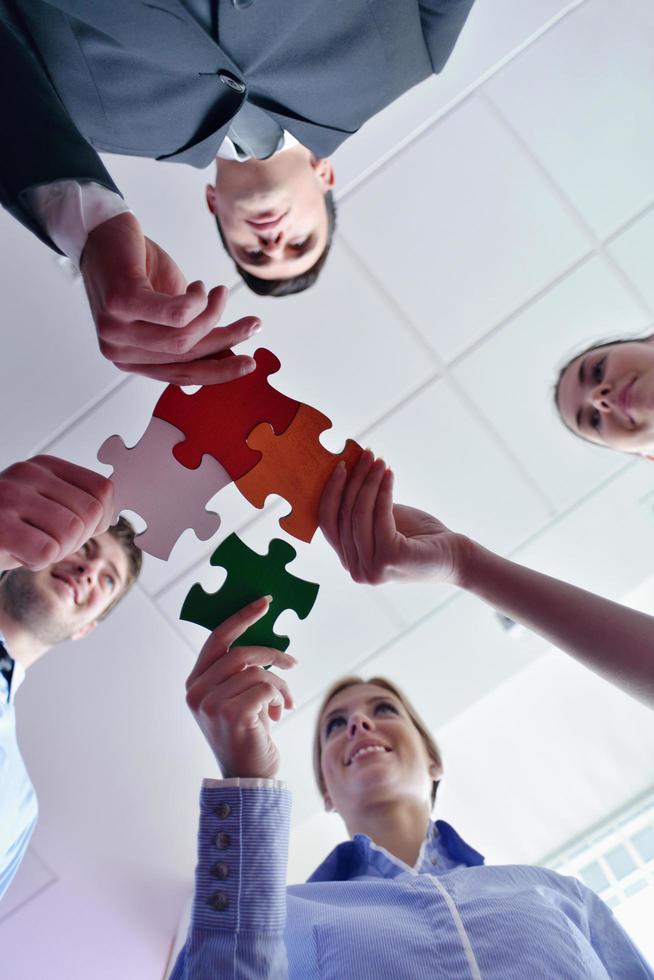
(250, 576)
(217, 418)
(296, 466)
(170, 498)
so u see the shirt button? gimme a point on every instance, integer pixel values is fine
(223, 810)
(434, 860)
(231, 81)
(219, 901)
(223, 841)
(220, 870)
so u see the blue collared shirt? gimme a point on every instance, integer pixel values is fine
(18, 807)
(364, 915)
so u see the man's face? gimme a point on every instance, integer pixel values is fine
(272, 212)
(607, 396)
(64, 600)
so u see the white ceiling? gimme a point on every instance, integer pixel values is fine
(491, 222)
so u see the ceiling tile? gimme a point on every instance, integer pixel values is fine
(545, 751)
(633, 250)
(581, 96)
(494, 29)
(346, 624)
(446, 462)
(511, 376)
(343, 347)
(605, 543)
(467, 228)
(51, 366)
(458, 654)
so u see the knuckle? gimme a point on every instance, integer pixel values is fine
(76, 526)
(178, 315)
(46, 552)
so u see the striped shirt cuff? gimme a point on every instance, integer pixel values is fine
(240, 880)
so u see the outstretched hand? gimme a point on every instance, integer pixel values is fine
(379, 541)
(148, 320)
(233, 697)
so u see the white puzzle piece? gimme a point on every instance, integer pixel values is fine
(169, 497)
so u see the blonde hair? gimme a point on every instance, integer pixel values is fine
(341, 685)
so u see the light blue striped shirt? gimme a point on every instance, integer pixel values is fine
(18, 808)
(364, 915)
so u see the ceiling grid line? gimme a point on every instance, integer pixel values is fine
(596, 242)
(455, 103)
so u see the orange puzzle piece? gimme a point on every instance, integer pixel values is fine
(296, 466)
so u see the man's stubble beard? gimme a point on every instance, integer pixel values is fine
(27, 605)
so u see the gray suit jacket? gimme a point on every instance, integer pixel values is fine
(164, 78)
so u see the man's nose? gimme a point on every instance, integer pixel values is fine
(273, 245)
(87, 570)
(359, 722)
(601, 397)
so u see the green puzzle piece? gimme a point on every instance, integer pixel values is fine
(250, 576)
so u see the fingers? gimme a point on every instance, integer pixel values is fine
(49, 507)
(178, 346)
(358, 545)
(364, 511)
(224, 635)
(328, 510)
(356, 517)
(384, 520)
(239, 683)
(139, 302)
(141, 341)
(206, 371)
(242, 661)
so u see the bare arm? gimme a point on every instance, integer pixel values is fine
(379, 541)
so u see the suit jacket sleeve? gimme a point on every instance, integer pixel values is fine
(239, 906)
(442, 22)
(40, 142)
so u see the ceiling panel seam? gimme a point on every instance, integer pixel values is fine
(390, 301)
(502, 444)
(86, 410)
(595, 241)
(454, 103)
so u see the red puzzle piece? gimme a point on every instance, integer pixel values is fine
(296, 466)
(218, 418)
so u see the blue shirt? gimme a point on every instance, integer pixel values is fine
(364, 915)
(18, 808)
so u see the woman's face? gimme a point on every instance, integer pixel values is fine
(371, 751)
(607, 396)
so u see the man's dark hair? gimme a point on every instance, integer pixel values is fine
(296, 284)
(124, 534)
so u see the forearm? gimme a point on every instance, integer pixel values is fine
(239, 907)
(612, 640)
(42, 144)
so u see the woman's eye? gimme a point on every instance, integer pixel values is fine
(597, 372)
(110, 582)
(596, 419)
(86, 547)
(255, 254)
(300, 244)
(384, 706)
(333, 723)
